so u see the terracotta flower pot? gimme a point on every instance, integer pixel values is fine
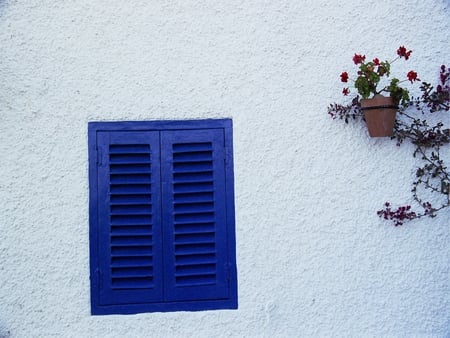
(379, 113)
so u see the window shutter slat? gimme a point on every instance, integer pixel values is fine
(129, 218)
(193, 175)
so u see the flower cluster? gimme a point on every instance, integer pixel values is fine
(404, 213)
(399, 215)
(403, 52)
(370, 73)
(444, 77)
(442, 96)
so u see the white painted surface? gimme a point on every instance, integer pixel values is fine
(313, 258)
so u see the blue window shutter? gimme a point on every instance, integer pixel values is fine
(129, 249)
(194, 218)
(162, 232)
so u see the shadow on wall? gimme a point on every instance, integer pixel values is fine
(2, 7)
(4, 333)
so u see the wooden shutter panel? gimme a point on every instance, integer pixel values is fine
(129, 217)
(194, 217)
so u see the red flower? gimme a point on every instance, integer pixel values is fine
(402, 52)
(344, 77)
(376, 61)
(412, 76)
(357, 58)
(345, 91)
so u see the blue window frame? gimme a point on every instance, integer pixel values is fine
(162, 231)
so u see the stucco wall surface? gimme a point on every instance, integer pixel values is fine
(314, 260)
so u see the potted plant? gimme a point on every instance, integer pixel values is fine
(379, 111)
(424, 122)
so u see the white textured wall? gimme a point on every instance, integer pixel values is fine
(313, 258)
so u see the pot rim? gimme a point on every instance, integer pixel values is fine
(380, 107)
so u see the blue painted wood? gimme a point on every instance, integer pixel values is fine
(129, 212)
(194, 218)
(162, 231)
